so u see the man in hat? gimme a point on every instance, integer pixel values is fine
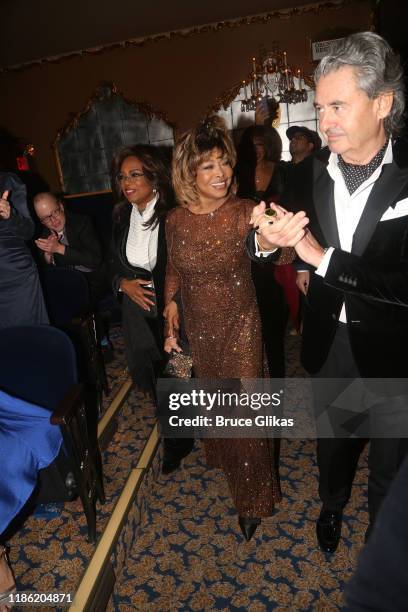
(302, 142)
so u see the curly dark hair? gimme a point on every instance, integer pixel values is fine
(156, 169)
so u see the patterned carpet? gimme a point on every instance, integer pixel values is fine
(190, 554)
(181, 548)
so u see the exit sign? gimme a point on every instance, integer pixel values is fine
(321, 48)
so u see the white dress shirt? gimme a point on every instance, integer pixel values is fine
(141, 245)
(349, 208)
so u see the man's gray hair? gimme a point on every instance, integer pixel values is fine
(377, 68)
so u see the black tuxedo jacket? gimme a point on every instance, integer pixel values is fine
(372, 280)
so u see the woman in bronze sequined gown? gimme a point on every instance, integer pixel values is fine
(208, 264)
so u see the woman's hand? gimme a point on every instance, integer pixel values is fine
(5, 210)
(171, 344)
(136, 291)
(171, 315)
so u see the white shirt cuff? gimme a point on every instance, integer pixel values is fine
(260, 253)
(324, 264)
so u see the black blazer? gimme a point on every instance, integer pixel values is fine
(372, 280)
(121, 268)
(143, 335)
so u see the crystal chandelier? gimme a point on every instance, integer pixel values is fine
(271, 77)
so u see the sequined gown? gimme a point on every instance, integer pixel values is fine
(207, 261)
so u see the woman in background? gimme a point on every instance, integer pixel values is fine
(262, 176)
(260, 173)
(208, 266)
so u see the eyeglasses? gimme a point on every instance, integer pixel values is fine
(52, 216)
(135, 175)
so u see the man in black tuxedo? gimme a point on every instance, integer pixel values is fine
(352, 230)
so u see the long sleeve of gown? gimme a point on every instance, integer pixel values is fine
(172, 283)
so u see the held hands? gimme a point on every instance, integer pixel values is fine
(172, 326)
(284, 229)
(5, 210)
(136, 291)
(50, 245)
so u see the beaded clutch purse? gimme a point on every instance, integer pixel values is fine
(179, 365)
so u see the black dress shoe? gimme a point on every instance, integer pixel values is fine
(175, 449)
(248, 526)
(328, 530)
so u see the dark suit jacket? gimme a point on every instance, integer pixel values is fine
(380, 580)
(84, 248)
(143, 335)
(120, 267)
(372, 280)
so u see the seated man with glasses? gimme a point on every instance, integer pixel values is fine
(68, 239)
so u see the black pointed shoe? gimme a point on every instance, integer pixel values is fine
(174, 451)
(248, 526)
(328, 530)
(169, 466)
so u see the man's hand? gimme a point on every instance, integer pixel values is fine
(302, 281)
(50, 245)
(309, 250)
(5, 209)
(136, 291)
(283, 230)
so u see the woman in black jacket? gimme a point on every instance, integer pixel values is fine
(142, 185)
